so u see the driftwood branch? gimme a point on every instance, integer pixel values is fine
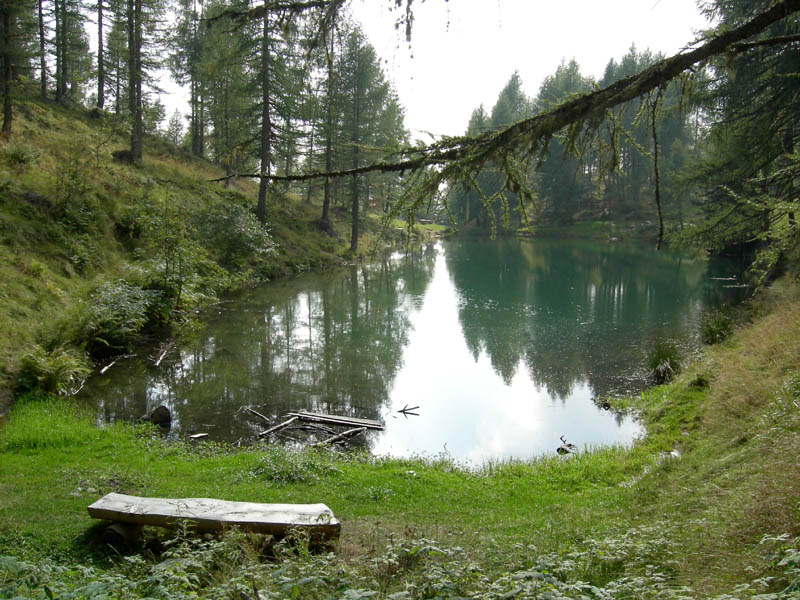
(258, 414)
(341, 436)
(277, 427)
(164, 350)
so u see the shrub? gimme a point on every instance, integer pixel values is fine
(234, 232)
(18, 155)
(715, 326)
(664, 361)
(117, 313)
(58, 370)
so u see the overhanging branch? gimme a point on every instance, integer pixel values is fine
(527, 135)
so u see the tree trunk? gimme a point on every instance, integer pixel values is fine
(356, 138)
(266, 126)
(118, 86)
(64, 45)
(42, 53)
(59, 42)
(7, 23)
(135, 78)
(325, 221)
(310, 162)
(101, 67)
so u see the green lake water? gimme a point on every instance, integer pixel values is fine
(503, 345)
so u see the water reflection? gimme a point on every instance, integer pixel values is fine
(572, 312)
(502, 344)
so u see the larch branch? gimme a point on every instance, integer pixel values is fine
(528, 133)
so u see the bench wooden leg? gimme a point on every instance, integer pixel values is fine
(121, 534)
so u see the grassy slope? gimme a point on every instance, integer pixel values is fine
(696, 520)
(70, 218)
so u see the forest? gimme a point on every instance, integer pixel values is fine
(281, 239)
(297, 89)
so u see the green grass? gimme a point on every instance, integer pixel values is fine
(637, 522)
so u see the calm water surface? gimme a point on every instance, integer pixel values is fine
(502, 344)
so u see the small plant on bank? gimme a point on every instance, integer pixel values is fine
(284, 466)
(117, 313)
(663, 361)
(18, 156)
(57, 370)
(715, 326)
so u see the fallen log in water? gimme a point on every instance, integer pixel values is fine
(346, 434)
(277, 427)
(337, 420)
(258, 414)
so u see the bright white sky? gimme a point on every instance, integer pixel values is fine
(463, 52)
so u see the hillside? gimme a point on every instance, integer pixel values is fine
(95, 252)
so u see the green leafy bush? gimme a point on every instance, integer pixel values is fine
(233, 231)
(57, 370)
(116, 314)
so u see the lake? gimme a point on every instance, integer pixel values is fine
(504, 345)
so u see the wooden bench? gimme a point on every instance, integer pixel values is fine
(130, 513)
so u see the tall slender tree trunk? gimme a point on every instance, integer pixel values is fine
(287, 164)
(356, 137)
(118, 86)
(194, 118)
(201, 120)
(64, 45)
(57, 9)
(101, 67)
(7, 24)
(42, 53)
(325, 221)
(135, 78)
(310, 159)
(266, 125)
(194, 86)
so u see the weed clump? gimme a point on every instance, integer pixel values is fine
(285, 466)
(18, 156)
(663, 361)
(715, 327)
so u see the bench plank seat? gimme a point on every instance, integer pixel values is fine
(207, 514)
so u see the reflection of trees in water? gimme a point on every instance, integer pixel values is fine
(571, 312)
(328, 343)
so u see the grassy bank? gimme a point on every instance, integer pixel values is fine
(108, 251)
(707, 504)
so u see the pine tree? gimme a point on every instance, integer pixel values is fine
(750, 168)
(187, 44)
